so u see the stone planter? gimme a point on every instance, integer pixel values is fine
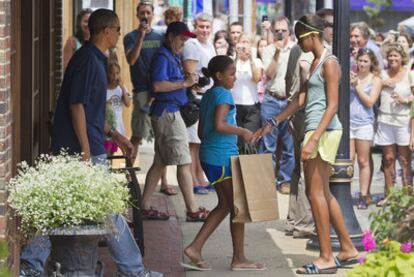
(74, 251)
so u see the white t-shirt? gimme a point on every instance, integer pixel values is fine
(114, 97)
(245, 89)
(201, 52)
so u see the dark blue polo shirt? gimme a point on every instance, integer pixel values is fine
(84, 82)
(167, 67)
(140, 70)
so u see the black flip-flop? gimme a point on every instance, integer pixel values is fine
(312, 269)
(346, 262)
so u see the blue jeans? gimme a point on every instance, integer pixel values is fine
(270, 107)
(122, 246)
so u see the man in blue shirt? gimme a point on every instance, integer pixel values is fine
(79, 126)
(140, 45)
(171, 141)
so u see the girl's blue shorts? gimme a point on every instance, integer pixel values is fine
(216, 173)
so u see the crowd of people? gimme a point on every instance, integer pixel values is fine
(205, 97)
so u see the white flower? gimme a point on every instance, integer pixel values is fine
(65, 191)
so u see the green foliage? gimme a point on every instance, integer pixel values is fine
(4, 272)
(64, 191)
(374, 11)
(387, 263)
(386, 222)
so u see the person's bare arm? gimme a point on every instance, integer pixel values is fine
(256, 72)
(412, 134)
(68, 51)
(370, 99)
(271, 70)
(167, 86)
(77, 113)
(132, 54)
(221, 125)
(126, 99)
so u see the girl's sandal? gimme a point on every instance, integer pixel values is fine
(196, 265)
(312, 269)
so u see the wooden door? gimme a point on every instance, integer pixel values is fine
(47, 88)
(15, 69)
(37, 76)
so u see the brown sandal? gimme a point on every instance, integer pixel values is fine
(153, 214)
(198, 216)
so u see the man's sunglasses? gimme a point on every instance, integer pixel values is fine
(117, 28)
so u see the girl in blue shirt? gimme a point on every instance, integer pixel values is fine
(218, 133)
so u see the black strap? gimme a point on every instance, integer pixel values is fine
(294, 55)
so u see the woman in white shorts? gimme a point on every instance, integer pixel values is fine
(393, 132)
(365, 91)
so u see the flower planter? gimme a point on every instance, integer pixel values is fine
(75, 250)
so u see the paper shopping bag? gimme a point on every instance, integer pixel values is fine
(254, 190)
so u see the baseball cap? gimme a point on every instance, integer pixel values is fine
(180, 28)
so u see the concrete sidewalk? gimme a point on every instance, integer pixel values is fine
(265, 241)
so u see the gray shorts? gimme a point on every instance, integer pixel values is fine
(140, 120)
(171, 140)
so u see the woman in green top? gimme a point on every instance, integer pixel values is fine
(323, 130)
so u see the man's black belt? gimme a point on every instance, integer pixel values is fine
(276, 96)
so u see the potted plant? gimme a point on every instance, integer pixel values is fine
(389, 245)
(69, 200)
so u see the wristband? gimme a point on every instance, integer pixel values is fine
(272, 122)
(111, 132)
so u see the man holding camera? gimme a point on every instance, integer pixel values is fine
(140, 45)
(171, 141)
(275, 60)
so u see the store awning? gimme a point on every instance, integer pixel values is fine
(397, 5)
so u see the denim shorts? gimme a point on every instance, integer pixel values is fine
(216, 173)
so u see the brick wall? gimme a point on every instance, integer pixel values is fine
(7, 226)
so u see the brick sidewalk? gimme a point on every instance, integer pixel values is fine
(163, 243)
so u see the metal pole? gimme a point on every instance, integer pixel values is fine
(233, 11)
(288, 9)
(342, 170)
(320, 4)
(185, 10)
(247, 16)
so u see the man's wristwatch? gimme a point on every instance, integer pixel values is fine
(271, 121)
(111, 132)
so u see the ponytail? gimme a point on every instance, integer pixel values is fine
(206, 72)
(217, 64)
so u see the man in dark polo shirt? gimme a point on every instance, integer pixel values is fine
(79, 126)
(171, 140)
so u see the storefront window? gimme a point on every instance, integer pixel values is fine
(300, 8)
(96, 4)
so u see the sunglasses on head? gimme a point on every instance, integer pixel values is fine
(362, 51)
(328, 24)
